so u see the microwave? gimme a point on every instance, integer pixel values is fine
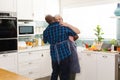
(26, 28)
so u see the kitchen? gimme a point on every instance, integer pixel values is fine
(26, 60)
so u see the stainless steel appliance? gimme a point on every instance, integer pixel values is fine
(8, 31)
(117, 67)
(26, 28)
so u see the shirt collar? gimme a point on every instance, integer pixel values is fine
(54, 23)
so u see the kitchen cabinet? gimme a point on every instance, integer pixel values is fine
(105, 67)
(8, 5)
(8, 61)
(45, 66)
(44, 7)
(98, 66)
(52, 7)
(25, 9)
(39, 10)
(81, 75)
(34, 64)
(87, 66)
(90, 66)
(36, 9)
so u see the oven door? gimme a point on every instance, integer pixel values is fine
(8, 27)
(8, 45)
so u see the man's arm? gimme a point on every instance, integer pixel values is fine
(44, 37)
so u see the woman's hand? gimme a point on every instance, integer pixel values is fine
(71, 38)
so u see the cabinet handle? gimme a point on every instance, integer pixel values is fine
(42, 55)
(88, 54)
(104, 56)
(30, 72)
(5, 55)
(30, 53)
(29, 63)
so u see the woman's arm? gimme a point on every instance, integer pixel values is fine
(76, 30)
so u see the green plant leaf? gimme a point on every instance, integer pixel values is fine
(99, 33)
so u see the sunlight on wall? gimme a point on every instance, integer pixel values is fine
(87, 18)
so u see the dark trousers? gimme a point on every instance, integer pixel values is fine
(72, 76)
(62, 70)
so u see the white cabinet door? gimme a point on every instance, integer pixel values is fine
(8, 5)
(25, 9)
(39, 10)
(105, 67)
(52, 9)
(90, 66)
(87, 66)
(81, 75)
(9, 61)
(45, 63)
(44, 7)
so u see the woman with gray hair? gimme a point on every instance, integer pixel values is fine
(75, 67)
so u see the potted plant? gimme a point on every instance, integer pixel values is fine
(98, 33)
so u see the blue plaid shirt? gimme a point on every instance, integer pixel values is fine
(55, 34)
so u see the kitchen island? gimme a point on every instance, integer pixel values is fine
(7, 75)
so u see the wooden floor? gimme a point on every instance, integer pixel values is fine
(46, 78)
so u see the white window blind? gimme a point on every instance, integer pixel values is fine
(87, 18)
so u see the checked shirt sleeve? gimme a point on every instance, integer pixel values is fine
(44, 37)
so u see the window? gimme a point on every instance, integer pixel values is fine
(88, 17)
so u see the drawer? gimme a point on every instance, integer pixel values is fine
(29, 65)
(29, 56)
(31, 73)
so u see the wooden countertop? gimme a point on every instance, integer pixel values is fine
(7, 75)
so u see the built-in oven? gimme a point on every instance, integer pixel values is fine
(8, 31)
(8, 26)
(8, 45)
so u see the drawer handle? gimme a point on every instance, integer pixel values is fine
(29, 63)
(30, 53)
(42, 55)
(30, 72)
(88, 54)
(5, 55)
(104, 56)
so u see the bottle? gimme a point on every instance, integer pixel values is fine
(117, 10)
(39, 42)
(42, 43)
(112, 48)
